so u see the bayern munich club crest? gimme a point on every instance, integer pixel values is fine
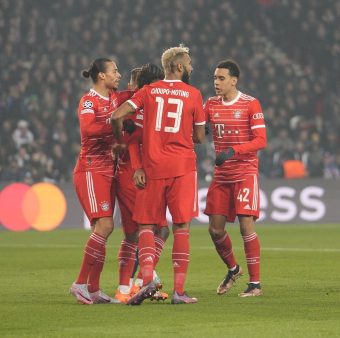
(237, 114)
(88, 104)
(105, 206)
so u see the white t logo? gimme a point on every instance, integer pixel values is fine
(220, 129)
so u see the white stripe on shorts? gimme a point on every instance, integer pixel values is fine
(90, 191)
(195, 198)
(255, 193)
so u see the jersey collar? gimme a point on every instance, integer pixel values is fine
(229, 103)
(172, 80)
(101, 96)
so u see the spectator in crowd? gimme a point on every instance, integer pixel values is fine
(331, 166)
(22, 135)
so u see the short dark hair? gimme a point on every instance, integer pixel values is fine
(149, 73)
(232, 66)
(96, 67)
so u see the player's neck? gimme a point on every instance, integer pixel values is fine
(103, 91)
(231, 95)
(173, 76)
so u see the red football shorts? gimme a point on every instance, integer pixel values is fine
(96, 194)
(231, 199)
(126, 195)
(178, 193)
(163, 223)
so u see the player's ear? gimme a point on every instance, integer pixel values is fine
(101, 75)
(179, 67)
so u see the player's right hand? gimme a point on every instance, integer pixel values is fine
(139, 178)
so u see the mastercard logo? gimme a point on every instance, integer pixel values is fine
(41, 206)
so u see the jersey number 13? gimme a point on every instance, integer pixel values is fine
(177, 115)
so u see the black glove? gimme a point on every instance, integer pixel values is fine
(206, 127)
(129, 126)
(224, 155)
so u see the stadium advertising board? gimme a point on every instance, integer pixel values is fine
(45, 206)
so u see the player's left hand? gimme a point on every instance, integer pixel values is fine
(224, 155)
(139, 178)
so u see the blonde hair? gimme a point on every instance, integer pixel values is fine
(171, 56)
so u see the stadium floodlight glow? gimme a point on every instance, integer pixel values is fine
(41, 206)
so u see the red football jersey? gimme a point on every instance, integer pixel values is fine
(116, 99)
(238, 124)
(96, 131)
(124, 162)
(171, 108)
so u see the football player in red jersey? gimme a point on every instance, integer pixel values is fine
(126, 192)
(173, 117)
(238, 127)
(149, 73)
(93, 176)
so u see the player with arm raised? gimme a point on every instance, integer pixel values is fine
(238, 129)
(173, 112)
(93, 176)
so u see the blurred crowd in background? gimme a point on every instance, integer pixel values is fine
(288, 51)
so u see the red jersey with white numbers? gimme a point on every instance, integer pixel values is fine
(171, 108)
(238, 124)
(94, 111)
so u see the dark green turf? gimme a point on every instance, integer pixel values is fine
(300, 278)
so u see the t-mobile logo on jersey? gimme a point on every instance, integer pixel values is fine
(220, 129)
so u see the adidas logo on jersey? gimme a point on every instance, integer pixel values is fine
(175, 265)
(216, 115)
(247, 207)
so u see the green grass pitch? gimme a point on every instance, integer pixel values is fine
(300, 279)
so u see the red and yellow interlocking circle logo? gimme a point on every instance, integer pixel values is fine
(41, 206)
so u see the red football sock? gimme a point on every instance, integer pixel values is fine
(252, 251)
(225, 250)
(159, 244)
(180, 258)
(127, 259)
(95, 272)
(146, 256)
(94, 257)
